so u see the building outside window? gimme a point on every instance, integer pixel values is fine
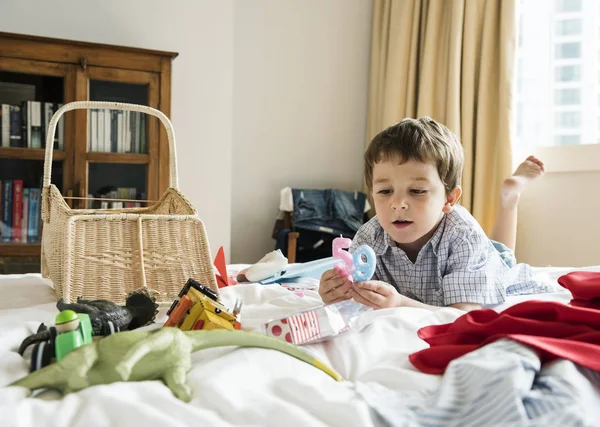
(557, 88)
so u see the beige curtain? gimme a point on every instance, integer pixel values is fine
(451, 60)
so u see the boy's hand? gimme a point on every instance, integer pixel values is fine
(334, 288)
(376, 294)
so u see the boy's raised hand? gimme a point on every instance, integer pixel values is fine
(334, 288)
(376, 294)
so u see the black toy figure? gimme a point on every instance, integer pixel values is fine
(106, 317)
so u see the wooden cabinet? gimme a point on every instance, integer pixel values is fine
(99, 155)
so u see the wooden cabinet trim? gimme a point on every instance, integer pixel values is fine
(70, 51)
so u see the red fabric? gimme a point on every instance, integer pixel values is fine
(554, 329)
(584, 286)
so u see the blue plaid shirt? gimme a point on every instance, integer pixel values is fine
(459, 264)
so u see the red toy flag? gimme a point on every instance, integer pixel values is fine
(222, 278)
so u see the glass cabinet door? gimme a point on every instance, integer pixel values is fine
(30, 94)
(119, 157)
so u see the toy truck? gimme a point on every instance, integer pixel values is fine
(198, 307)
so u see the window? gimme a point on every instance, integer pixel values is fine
(568, 5)
(566, 139)
(557, 72)
(568, 119)
(567, 97)
(568, 73)
(567, 50)
(568, 27)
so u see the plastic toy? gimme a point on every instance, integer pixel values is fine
(105, 316)
(359, 266)
(313, 325)
(198, 307)
(163, 353)
(223, 279)
(71, 331)
(312, 269)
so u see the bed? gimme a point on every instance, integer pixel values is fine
(244, 386)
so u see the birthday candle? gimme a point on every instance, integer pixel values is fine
(363, 268)
(338, 246)
(359, 266)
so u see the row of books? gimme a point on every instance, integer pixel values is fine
(113, 131)
(26, 125)
(127, 198)
(20, 219)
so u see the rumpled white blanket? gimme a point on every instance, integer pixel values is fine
(231, 386)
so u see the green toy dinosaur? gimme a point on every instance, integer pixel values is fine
(163, 353)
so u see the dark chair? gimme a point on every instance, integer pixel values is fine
(307, 232)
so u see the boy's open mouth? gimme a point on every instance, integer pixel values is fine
(402, 223)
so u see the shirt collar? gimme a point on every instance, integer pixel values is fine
(437, 236)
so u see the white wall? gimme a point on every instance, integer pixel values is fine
(558, 213)
(202, 33)
(299, 114)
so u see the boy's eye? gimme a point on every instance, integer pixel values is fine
(415, 191)
(384, 192)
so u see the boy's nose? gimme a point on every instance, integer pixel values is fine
(400, 205)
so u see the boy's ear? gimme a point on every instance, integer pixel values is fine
(452, 199)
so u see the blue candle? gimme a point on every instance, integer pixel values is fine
(363, 268)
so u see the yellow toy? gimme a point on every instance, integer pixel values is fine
(198, 307)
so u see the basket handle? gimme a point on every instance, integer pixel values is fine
(109, 106)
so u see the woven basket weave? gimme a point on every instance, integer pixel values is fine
(106, 254)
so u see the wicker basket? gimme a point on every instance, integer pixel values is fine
(106, 254)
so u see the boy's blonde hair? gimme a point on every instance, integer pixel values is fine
(423, 140)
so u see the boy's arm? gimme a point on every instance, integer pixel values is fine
(466, 306)
(378, 294)
(409, 302)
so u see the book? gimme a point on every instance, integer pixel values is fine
(60, 132)
(25, 130)
(34, 114)
(25, 216)
(5, 135)
(15, 126)
(34, 215)
(17, 210)
(7, 195)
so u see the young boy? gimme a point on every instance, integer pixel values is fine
(430, 251)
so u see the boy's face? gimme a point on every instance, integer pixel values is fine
(410, 200)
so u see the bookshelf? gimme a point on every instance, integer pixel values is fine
(99, 155)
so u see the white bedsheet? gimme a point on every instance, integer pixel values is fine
(233, 386)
